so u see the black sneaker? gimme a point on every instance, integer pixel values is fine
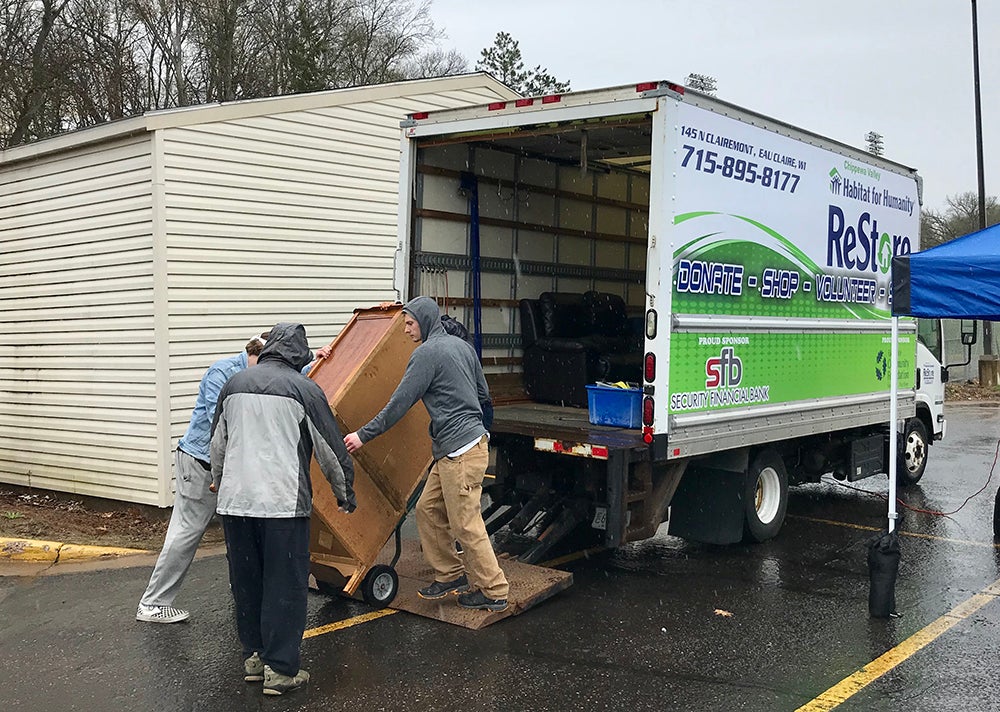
(440, 589)
(477, 599)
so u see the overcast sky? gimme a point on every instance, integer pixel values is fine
(840, 68)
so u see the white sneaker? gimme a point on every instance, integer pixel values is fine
(161, 614)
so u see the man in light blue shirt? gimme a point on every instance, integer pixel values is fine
(194, 503)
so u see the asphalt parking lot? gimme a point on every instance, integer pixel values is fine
(659, 625)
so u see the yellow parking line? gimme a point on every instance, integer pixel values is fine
(348, 622)
(851, 685)
(914, 535)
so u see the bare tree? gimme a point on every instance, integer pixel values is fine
(167, 24)
(383, 35)
(436, 63)
(67, 64)
(960, 217)
(104, 79)
(216, 31)
(15, 21)
(29, 118)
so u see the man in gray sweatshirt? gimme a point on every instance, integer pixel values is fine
(446, 374)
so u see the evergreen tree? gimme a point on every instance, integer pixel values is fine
(503, 60)
(306, 49)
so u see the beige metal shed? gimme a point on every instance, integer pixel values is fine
(134, 254)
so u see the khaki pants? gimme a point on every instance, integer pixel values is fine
(450, 508)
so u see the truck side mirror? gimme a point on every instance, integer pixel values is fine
(969, 329)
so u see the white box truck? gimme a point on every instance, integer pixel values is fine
(732, 267)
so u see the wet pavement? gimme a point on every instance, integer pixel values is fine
(659, 625)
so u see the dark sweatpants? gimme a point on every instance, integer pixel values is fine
(269, 575)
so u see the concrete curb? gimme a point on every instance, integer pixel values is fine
(32, 550)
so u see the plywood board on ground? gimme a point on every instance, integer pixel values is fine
(529, 586)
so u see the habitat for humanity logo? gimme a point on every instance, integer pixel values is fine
(881, 365)
(836, 182)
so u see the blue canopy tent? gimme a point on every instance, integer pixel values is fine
(957, 280)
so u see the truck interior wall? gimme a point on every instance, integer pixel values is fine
(546, 224)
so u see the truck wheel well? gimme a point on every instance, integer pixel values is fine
(924, 414)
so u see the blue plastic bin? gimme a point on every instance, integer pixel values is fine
(618, 407)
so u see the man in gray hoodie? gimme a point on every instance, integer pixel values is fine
(269, 422)
(446, 374)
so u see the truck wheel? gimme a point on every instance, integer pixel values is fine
(913, 453)
(765, 496)
(380, 586)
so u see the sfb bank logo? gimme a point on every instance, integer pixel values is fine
(724, 370)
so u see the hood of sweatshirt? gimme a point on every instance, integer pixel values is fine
(287, 342)
(425, 311)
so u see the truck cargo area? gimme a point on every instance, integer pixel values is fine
(650, 237)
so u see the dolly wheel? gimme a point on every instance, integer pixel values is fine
(380, 586)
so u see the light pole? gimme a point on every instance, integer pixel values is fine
(987, 325)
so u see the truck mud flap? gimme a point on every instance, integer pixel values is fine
(529, 586)
(708, 506)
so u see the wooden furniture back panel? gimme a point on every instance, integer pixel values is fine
(367, 362)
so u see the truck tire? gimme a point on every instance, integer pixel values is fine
(765, 496)
(912, 453)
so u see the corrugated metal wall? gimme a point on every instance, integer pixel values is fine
(262, 212)
(77, 386)
(288, 216)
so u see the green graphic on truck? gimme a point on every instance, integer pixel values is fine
(720, 371)
(764, 225)
(762, 273)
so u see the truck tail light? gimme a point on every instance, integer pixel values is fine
(650, 323)
(647, 410)
(650, 368)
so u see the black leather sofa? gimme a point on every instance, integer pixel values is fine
(571, 340)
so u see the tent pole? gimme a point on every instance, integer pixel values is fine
(893, 415)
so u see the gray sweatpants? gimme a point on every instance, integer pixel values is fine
(194, 505)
